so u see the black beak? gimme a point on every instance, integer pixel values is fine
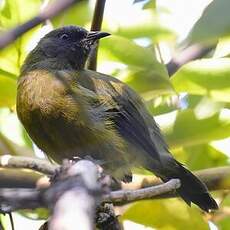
(95, 35)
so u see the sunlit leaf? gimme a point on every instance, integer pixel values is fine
(161, 214)
(80, 14)
(12, 14)
(205, 77)
(144, 73)
(222, 48)
(8, 90)
(204, 156)
(37, 214)
(132, 54)
(150, 4)
(213, 24)
(149, 84)
(15, 13)
(9, 147)
(162, 104)
(153, 31)
(188, 129)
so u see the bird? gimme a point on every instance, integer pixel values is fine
(70, 111)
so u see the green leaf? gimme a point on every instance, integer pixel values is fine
(222, 48)
(188, 129)
(143, 73)
(12, 14)
(148, 83)
(213, 24)
(10, 60)
(132, 54)
(205, 77)
(204, 156)
(150, 5)
(16, 12)
(37, 214)
(9, 147)
(153, 31)
(80, 14)
(162, 104)
(8, 90)
(161, 214)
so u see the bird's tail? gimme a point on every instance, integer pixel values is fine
(192, 189)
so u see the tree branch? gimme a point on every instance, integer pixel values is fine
(191, 53)
(42, 166)
(17, 178)
(125, 196)
(50, 11)
(96, 26)
(214, 178)
(78, 184)
(72, 197)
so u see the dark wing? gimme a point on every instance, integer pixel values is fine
(126, 111)
(133, 122)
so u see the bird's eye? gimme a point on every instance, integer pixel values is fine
(64, 36)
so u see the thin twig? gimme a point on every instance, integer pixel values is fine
(214, 178)
(13, 199)
(125, 196)
(11, 221)
(191, 53)
(96, 26)
(43, 166)
(50, 11)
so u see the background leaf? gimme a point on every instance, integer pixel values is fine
(205, 77)
(213, 24)
(149, 213)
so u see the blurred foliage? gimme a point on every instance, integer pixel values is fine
(162, 214)
(214, 23)
(192, 108)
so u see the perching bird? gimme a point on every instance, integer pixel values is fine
(70, 111)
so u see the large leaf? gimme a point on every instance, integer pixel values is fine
(205, 77)
(12, 13)
(80, 14)
(204, 156)
(161, 214)
(148, 83)
(189, 130)
(222, 48)
(132, 54)
(150, 30)
(9, 147)
(213, 24)
(222, 220)
(143, 73)
(8, 89)
(162, 104)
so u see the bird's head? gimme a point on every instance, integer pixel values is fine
(69, 44)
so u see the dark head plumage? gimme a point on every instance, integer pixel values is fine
(69, 44)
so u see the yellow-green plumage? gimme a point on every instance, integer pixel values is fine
(52, 107)
(69, 111)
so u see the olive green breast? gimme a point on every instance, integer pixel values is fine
(57, 117)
